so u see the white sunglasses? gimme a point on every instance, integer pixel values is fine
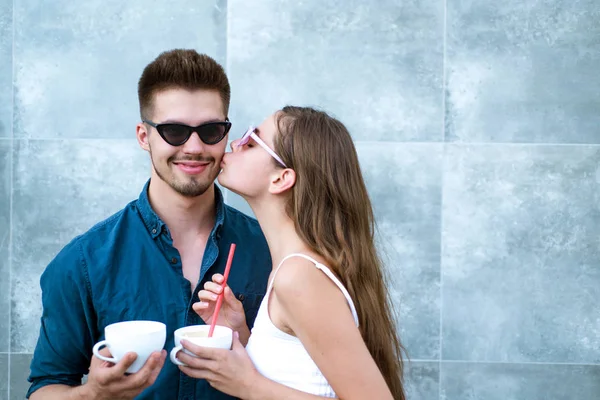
(250, 134)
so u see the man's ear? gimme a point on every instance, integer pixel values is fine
(142, 136)
(282, 180)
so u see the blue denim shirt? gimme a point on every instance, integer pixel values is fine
(126, 268)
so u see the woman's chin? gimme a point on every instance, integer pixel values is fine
(227, 184)
(222, 179)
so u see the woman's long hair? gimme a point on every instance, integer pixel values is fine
(332, 212)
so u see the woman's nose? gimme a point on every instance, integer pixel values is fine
(234, 145)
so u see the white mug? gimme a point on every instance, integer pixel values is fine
(198, 334)
(140, 337)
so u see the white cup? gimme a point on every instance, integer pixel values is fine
(198, 334)
(140, 337)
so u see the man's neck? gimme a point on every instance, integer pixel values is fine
(183, 215)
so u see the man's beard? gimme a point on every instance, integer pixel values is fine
(195, 186)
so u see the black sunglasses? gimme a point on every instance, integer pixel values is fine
(178, 134)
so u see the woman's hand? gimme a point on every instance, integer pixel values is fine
(232, 311)
(229, 371)
(232, 372)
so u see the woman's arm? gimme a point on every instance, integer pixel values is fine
(305, 301)
(232, 372)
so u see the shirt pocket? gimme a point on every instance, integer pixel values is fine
(251, 303)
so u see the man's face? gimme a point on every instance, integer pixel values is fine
(190, 169)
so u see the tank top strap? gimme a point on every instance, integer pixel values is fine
(327, 272)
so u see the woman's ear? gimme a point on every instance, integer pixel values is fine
(282, 180)
(142, 136)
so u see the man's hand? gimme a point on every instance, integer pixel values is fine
(108, 381)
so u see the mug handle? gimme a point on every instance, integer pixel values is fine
(100, 356)
(173, 356)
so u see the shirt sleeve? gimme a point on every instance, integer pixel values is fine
(68, 324)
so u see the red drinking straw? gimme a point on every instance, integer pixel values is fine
(220, 298)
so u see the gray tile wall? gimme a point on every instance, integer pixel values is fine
(477, 125)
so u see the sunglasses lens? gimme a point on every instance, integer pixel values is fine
(213, 133)
(174, 134)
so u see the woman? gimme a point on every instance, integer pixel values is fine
(325, 327)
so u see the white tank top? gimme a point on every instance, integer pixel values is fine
(281, 357)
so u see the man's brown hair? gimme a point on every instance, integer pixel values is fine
(181, 69)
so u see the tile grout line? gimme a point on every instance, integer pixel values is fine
(566, 364)
(436, 361)
(10, 201)
(467, 144)
(443, 156)
(227, 66)
(73, 139)
(475, 362)
(356, 141)
(444, 34)
(227, 69)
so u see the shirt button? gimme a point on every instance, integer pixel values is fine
(154, 231)
(241, 297)
(173, 260)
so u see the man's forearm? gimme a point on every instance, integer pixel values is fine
(61, 392)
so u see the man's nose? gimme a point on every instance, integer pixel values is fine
(194, 144)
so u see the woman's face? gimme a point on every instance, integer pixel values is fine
(248, 168)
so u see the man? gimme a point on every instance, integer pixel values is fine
(148, 261)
